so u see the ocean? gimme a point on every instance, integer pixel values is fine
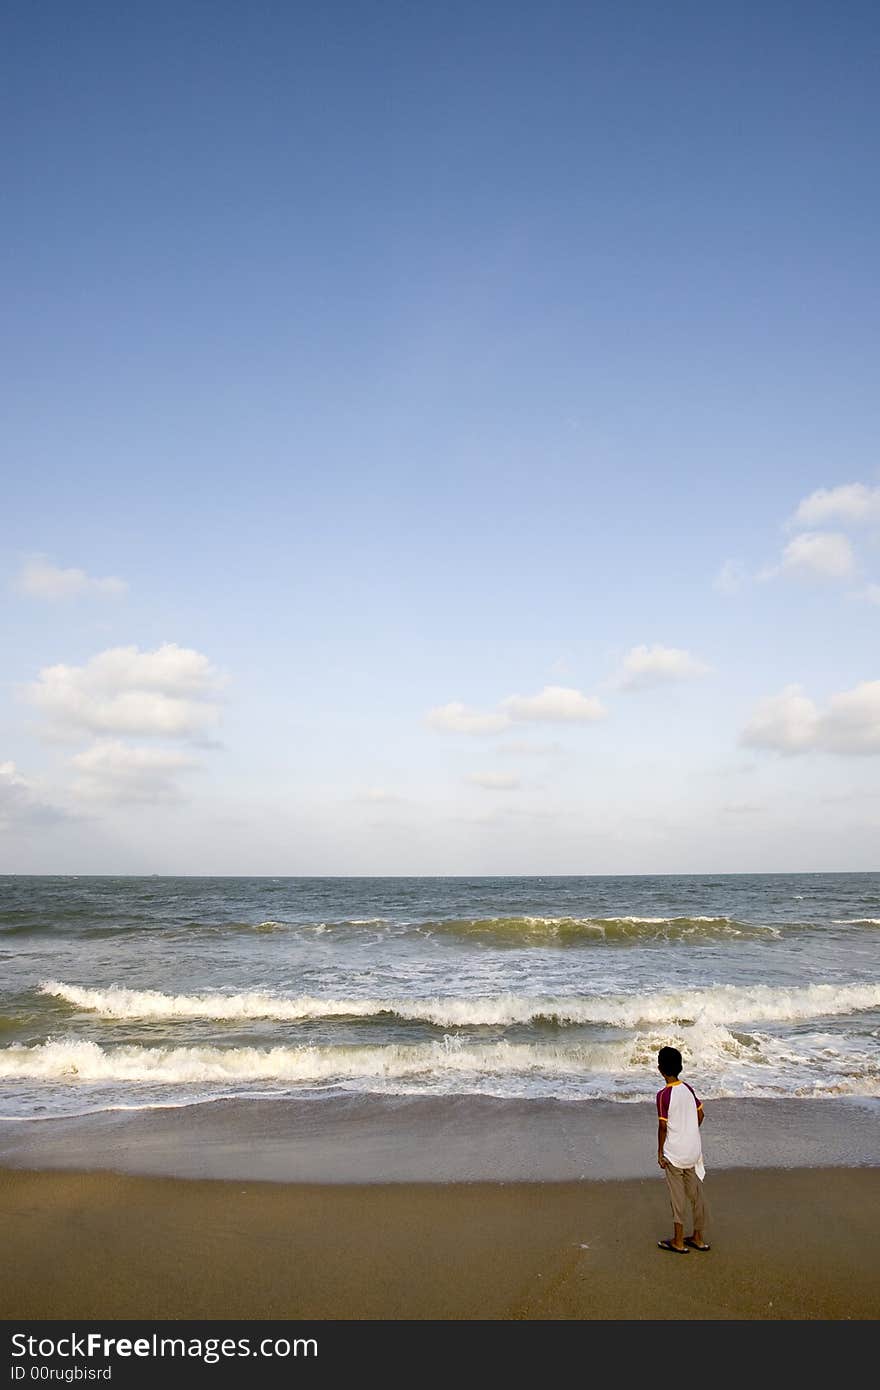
(135, 993)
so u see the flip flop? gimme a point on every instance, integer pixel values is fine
(667, 1245)
(693, 1244)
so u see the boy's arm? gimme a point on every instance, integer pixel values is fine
(661, 1140)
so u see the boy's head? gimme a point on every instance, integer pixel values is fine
(669, 1061)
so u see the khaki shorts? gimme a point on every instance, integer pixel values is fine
(685, 1187)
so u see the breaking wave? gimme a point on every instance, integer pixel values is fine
(502, 931)
(80, 1060)
(727, 1064)
(721, 1004)
(548, 931)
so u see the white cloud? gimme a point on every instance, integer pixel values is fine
(731, 577)
(114, 771)
(787, 722)
(555, 704)
(169, 692)
(851, 502)
(793, 723)
(494, 781)
(39, 578)
(646, 666)
(457, 718)
(10, 777)
(852, 724)
(815, 554)
(14, 796)
(19, 804)
(871, 593)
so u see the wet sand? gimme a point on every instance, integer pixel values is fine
(799, 1243)
(443, 1139)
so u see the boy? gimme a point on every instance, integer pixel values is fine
(680, 1153)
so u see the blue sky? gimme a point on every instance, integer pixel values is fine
(394, 358)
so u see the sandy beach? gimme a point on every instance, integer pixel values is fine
(455, 1208)
(795, 1244)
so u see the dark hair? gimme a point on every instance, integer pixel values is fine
(669, 1061)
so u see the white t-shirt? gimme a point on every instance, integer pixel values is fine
(678, 1105)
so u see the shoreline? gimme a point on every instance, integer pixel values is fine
(353, 1139)
(792, 1244)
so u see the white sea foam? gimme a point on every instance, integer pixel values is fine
(697, 918)
(725, 1064)
(721, 1004)
(73, 1059)
(856, 921)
